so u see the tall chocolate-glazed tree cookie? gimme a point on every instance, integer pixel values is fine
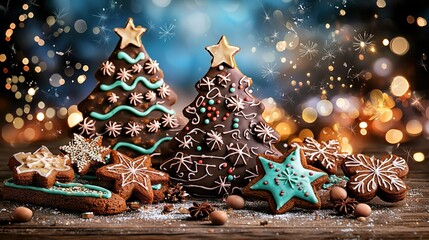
(131, 105)
(215, 154)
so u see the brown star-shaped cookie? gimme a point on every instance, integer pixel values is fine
(326, 156)
(41, 168)
(133, 176)
(370, 177)
(85, 153)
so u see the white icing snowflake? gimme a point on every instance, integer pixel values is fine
(186, 143)
(150, 96)
(136, 68)
(223, 185)
(181, 160)
(372, 172)
(107, 68)
(151, 67)
(235, 103)
(223, 80)
(136, 98)
(237, 154)
(87, 126)
(214, 140)
(207, 83)
(83, 152)
(113, 98)
(264, 132)
(164, 91)
(169, 121)
(133, 129)
(113, 128)
(123, 74)
(327, 153)
(154, 126)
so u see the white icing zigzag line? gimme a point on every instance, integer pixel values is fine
(193, 111)
(246, 116)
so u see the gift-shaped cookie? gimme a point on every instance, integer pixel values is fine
(41, 168)
(371, 176)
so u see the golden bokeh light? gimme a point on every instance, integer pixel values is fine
(74, 119)
(309, 115)
(418, 157)
(399, 46)
(399, 86)
(40, 116)
(281, 46)
(414, 127)
(325, 107)
(421, 22)
(394, 136)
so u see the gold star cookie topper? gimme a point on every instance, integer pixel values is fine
(222, 52)
(130, 34)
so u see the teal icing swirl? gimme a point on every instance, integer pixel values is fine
(100, 116)
(95, 191)
(141, 149)
(126, 87)
(130, 60)
(156, 186)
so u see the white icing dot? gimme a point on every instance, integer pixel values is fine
(221, 67)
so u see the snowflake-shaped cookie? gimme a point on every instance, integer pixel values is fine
(324, 155)
(370, 176)
(41, 168)
(214, 140)
(107, 68)
(85, 153)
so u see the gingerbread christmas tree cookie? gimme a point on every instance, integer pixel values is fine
(215, 152)
(286, 182)
(40, 168)
(132, 176)
(131, 105)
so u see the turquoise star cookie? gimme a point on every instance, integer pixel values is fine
(289, 180)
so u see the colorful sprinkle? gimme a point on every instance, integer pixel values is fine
(199, 148)
(230, 177)
(235, 125)
(207, 121)
(202, 110)
(231, 90)
(236, 120)
(211, 101)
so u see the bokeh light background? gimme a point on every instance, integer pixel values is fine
(356, 71)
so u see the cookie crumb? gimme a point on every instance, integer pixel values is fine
(183, 210)
(87, 215)
(362, 219)
(168, 208)
(134, 205)
(263, 223)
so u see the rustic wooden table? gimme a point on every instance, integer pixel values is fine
(408, 219)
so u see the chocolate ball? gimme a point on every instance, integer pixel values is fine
(218, 217)
(21, 214)
(337, 193)
(235, 202)
(362, 210)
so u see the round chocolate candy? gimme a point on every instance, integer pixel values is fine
(362, 210)
(338, 193)
(21, 214)
(218, 217)
(235, 202)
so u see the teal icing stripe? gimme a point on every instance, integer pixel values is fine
(141, 149)
(126, 87)
(130, 60)
(100, 116)
(156, 187)
(54, 190)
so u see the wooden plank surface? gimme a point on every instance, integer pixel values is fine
(407, 219)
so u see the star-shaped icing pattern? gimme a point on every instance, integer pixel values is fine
(130, 34)
(86, 152)
(40, 168)
(222, 52)
(287, 182)
(133, 176)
